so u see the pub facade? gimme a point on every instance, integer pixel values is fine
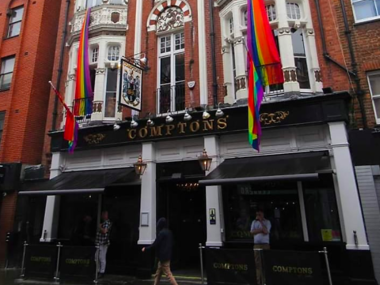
(194, 100)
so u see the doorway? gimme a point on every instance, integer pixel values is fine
(183, 203)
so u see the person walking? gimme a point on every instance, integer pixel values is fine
(260, 228)
(163, 246)
(102, 241)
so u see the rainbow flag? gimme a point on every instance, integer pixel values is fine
(264, 65)
(83, 89)
(71, 126)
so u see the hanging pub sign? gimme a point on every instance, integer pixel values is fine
(130, 84)
(292, 267)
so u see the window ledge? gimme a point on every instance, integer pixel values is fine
(12, 37)
(3, 90)
(369, 21)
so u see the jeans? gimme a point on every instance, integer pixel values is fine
(260, 277)
(100, 257)
(164, 267)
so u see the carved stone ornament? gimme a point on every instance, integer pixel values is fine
(100, 71)
(293, 75)
(273, 118)
(94, 138)
(318, 76)
(97, 106)
(72, 76)
(170, 19)
(287, 75)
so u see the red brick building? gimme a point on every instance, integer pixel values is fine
(28, 32)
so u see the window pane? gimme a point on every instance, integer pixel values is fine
(110, 104)
(179, 41)
(374, 80)
(321, 210)
(165, 70)
(111, 79)
(2, 117)
(298, 44)
(377, 107)
(302, 72)
(5, 81)
(293, 11)
(7, 65)
(180, 67)
(14, 29)
(164, 93)
(279, 200)
(365, 9)
(113, 53)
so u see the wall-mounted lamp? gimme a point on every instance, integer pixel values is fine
(187, 116)
(116, 126)
(169, 118)
(205, 161)
(140, 166)
(219, 113)
(150, 123)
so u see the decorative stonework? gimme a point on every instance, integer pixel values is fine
(171, 18)
(97, 106)
(103, 15)
(290, 75)
(240, 83)
(71, 77)
(169, 13)
(318, 76)
(273, 118)
(283, 31)
(100, 71)
(225, 90)
(94, 138)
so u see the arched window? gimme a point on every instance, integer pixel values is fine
(293, 10)
(113, 53)
(271, 12)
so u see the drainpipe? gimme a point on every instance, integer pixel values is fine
(354, 72)
(354, 64)
(213, 57)
(60, 65)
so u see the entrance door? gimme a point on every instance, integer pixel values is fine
(184, 205)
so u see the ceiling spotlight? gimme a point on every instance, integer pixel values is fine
(205, 115)
(169, 118)
(134, 124)
(187, 116)
(219, 113)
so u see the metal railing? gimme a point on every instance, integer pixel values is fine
(171, 98)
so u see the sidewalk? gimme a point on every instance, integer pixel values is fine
(12, 277)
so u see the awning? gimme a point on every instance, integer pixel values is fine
(78, 182)
(300, 166)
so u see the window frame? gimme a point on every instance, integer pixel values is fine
(365, 19)
(113, 46)
(374, 97)
(293, 4)
(172, 55)
(94, 53)
(106, 92)
(11, 23)
(2, 123)
(2, 73)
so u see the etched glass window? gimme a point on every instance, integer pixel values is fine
(293, 11)
(113, 53)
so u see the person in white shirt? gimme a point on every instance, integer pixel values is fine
(260, 228)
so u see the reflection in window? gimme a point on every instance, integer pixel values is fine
(321, 210)
(113, 53)
(110, 100)
(293, 11)
(279, 200)
(14, 25)
(300, 59)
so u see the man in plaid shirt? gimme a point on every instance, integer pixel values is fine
(102, 240)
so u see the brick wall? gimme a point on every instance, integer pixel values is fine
(26, 101)
(366, 44)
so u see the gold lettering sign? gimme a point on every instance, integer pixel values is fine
(42, 259)
(293, 270)
(197, 126)
(231, 266)
(77, 261)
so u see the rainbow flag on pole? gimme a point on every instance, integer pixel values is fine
(264, 65)
(71, 126)
(83, 89)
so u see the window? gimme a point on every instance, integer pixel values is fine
(2, 118)
(94, 55)
(110, 100)
(6, 72)
(293, 11)
(15, 22)
(171, 90)
(93, 3)
(231, 25)
(113, 53)
(366, 9)
(271, 12)
(245, 17)
(300, 59)
(374, 87)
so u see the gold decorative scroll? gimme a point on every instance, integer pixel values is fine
(94, 138)
(273, 118)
